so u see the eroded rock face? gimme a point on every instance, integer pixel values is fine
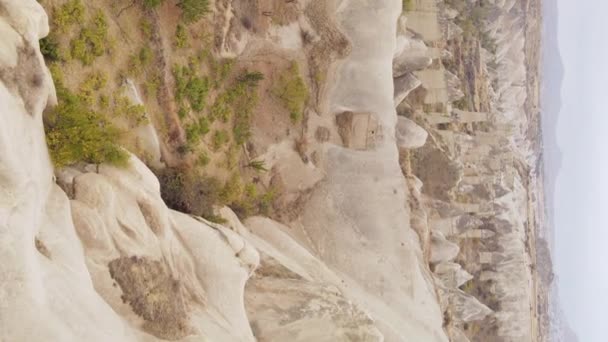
(284, 306)
(409, 134)
(104, 259)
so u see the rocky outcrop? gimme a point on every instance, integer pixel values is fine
(404, 85)
(102, 258)
(391, 228)
(480, 194)
(409, 134)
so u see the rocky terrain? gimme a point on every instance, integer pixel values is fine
(270, 170)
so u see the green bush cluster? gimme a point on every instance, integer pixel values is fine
(258, 165)
(181, 37)
(191, 87)
(292, 91)
(220, 70)
(151, 3)
(134, 114)
(220, 138)
(203, 159)
(152, 85)
(253, 202)
(197, 194)
(70, 13)
(93, 84)
(145, 26)
(195, 131)
(49, 47)
(75, 133)
(140, 60)
(190, 193)
(193, 10)
(91, 42)
(239, 100)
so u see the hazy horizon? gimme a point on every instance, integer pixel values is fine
(581, 187)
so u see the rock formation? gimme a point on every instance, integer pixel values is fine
(387, 227)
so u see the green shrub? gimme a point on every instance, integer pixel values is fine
(220, 138)
(195, 131)
(191, 87)
(152, 85)
(91, 43)
(222, 107)
(252, 202)
(251, 78)
(232, 190)
(203, 159)
(182, 113)
(293, 92)
(94, 82)
(257, 165)
(146, 28)
(239, 100)
(145, 55)
(193, 10)
(103, 102)
(196, 92)
(134, 114)
(70, 13)
(181, 37)
(181, 74)
(151, 3)
(190, 193)
(49, 47)
(220, 70)
(75, 133)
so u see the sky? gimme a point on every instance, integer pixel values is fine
(581, 193)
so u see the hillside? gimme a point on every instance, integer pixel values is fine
(272, 170)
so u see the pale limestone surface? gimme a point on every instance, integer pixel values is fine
(409, 134)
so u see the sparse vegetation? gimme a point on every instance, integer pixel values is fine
(189, 86)
(49, 47)
(195, 131)
(220, 70)
(152, 84)
(257, 165)
(193, 10)
(91, 43)
(203, 159)
(190, 193)
(134, 114)
(292, 90)
(94, 115)
(220, 138)
(70, 13)
(181, 37)
(146, 28)
(94, 83)
(151, 3)
(75, 132)
(197, 194)
(196, 92)
(240, 100)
